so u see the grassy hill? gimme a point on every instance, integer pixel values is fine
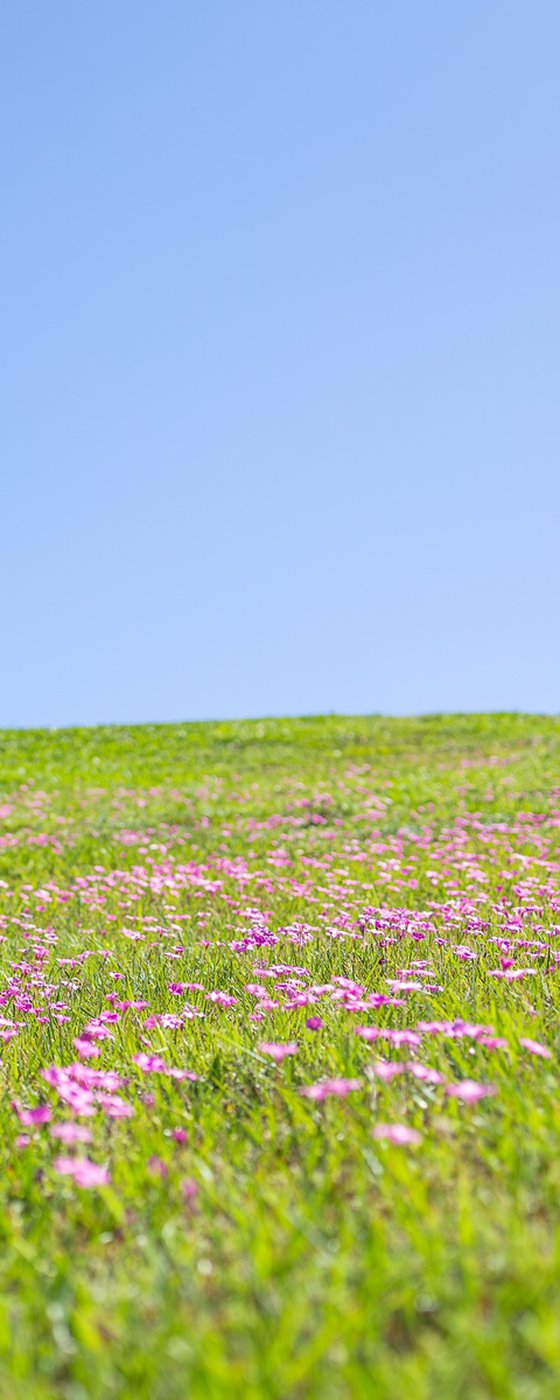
(279, 1035)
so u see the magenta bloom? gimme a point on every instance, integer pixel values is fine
(533, 1046)
(468, 1091)
(327, 1087)
(494, 1042)
(278, 1050)
(397, 1133)
(70, 1132)
(150, 1064)
(387, 1069)
(28, 1117)
(189, 1187)
(314, 1023)
(425, 1073)
(84, 1172)
(157, 1167)
(221, 998)
(114, 1106)
(379, 999)
(153, 1064)
(400, 985)
(86, 1049)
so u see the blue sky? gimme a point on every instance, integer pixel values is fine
(279, 358)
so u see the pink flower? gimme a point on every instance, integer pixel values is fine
(179, 1135)
(514, 974)
(127, 1006)
(86, 1049)
(533, 1046)
(114, 1106)
(327, 1087)
(405, 1037)
(387, 1069)
(84, 1172)
(314, 1023)
(157, 1167)
(70, 1132)
(150, 1064)
(278, 1050)
(397, 1133)
(400, 985)
(468, 1091)
(423, 1072)
(189, 1187)
(30, 1116)
(379, 999)
(153, 1064)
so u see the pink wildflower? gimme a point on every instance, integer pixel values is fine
(150, 1064)
(468, 1091)
(86, 1049)
(493, 1042)
(425, 1073)
(397, 1133)
(379, 999)
(84, 1172)
(114, 1106)
(189, 1187)
(28, 1117)
(278, 1050)
(157, 1167)
(70, 1132)
(327, 1087)
(387, 1069)
(533, 1046)
(402, 985)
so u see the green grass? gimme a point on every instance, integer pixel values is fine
(281, 1250)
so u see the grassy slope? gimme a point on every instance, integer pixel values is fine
(313, 1260)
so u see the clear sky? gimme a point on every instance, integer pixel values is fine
(280, 365)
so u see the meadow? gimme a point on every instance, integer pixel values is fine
(279, 1036)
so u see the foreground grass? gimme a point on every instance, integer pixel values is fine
(239, 882)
